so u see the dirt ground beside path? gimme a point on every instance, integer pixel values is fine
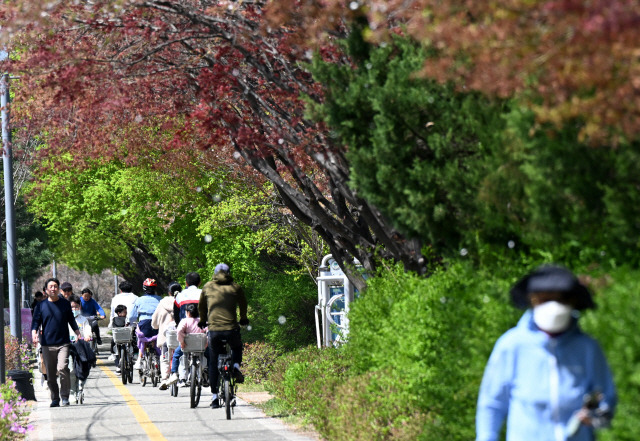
(255, 397)
(258, 398)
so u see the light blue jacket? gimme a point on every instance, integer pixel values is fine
(144, 307)
(539, 381)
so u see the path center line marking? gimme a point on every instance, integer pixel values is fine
(143, 419)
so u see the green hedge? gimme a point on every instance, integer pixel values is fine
(431, 337)
(415, 357)
(418, 348)
(281, 309)
(614, 324)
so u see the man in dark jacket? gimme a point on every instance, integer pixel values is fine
(219, 301)
(49, 327)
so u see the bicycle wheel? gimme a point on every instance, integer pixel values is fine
(130, 368)
(155, 370)
(199, 381)
(94, 344)
(129, 365)
(124, 366)
(227, 397)
(193, 377)
(174, 389)
(144, 370)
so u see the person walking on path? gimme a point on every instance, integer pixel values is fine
(220, 300)
(37, 298)
(66, 290)
(85, 329)
(52, 316)
(548, 378)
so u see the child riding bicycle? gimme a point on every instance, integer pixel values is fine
(119, 321)
(188, 325)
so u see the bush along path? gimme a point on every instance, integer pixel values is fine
(414, 372)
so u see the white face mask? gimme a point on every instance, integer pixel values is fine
(552, 317)
(76, 312)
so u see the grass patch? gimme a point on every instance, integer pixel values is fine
(251, 387)
(276, 408)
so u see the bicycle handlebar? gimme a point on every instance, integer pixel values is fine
(94, 317)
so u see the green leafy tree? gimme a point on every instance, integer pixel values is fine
(131, 218)
(145, 221)
(416, 149)
(548, 191)
(32, 246)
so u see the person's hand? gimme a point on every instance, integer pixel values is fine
(202, 324)
(584, 415)
(100, 317)
(244, 321)
(34, 337)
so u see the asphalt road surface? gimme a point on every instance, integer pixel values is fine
(112, 411)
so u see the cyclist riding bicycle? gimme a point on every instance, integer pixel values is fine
(92, 308)
(188, 325)
(162, 320)
(190, 295)
(119, 321)
(219, 301)
(127, 298)
(142, 312)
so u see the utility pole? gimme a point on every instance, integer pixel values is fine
(14, 301)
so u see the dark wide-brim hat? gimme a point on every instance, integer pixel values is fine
(551, 278)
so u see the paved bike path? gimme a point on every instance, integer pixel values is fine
(132, 412)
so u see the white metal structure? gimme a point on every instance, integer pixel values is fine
(334, 291)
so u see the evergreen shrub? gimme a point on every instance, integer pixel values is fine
(413, 364)
(431, 337)
(417, 350)
(257, 360)
(303, 379)
(614, 325)
(281, 310)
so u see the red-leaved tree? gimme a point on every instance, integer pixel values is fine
(569, 60)
(167, 83)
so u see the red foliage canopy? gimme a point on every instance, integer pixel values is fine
(571, 60)
(159, 81)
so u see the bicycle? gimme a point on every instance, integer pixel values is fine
(123, 337)
(228, 387)
(194, 347)
(149, 362)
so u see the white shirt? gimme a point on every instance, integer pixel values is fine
(124, 298)
(83, 326)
